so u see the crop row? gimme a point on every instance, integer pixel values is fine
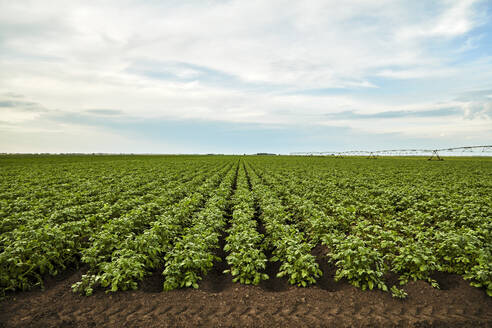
(123, 218)
(123, 253)
(244, 243)
(50, 244)
(410, 239)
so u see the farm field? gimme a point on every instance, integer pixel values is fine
(92, 241)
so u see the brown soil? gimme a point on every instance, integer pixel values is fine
(221, 303)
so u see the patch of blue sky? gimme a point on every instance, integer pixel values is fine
(465, 50)
(196, 136)
(399, 90)
(211, 136)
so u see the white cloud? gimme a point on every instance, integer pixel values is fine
(456, 18)
(240, 61)
(416, 73)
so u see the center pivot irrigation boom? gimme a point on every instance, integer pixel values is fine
(434, 153)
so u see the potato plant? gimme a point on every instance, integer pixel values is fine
(246, 258)
(123, 217)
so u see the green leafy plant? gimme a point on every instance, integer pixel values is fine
(398, 292)
(359, 263)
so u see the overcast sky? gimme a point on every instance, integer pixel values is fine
(244, 76)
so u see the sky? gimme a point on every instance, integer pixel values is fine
(244, 76)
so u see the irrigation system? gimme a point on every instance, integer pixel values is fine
(434, 154)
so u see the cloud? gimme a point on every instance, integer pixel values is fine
(13, 95)
(475, 95)
(273, 64)
(442, 112)
(454, 19)
(415, 73)
(22, 105)
(106, 112)
(178, 71)
(478, 110)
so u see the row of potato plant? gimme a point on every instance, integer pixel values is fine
(244, 243)
(124, 201)
(30, 253)
(47, 192)
(125, 216)
(120, 264)
(413, 232)
(290, 246)
(193, 255)
(48, 245)
(361, 265)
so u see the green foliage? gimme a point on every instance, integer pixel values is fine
(243, 243)
(413, 218)
(193, 255)
(481, 272)
(398, 292)
(357, 262)
(288, 242)
(122, 254)
(457, 249)
(123, 217)
(416, 261)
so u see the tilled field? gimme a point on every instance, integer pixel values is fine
(274, 303)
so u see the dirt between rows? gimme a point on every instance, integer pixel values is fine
(221, 303)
